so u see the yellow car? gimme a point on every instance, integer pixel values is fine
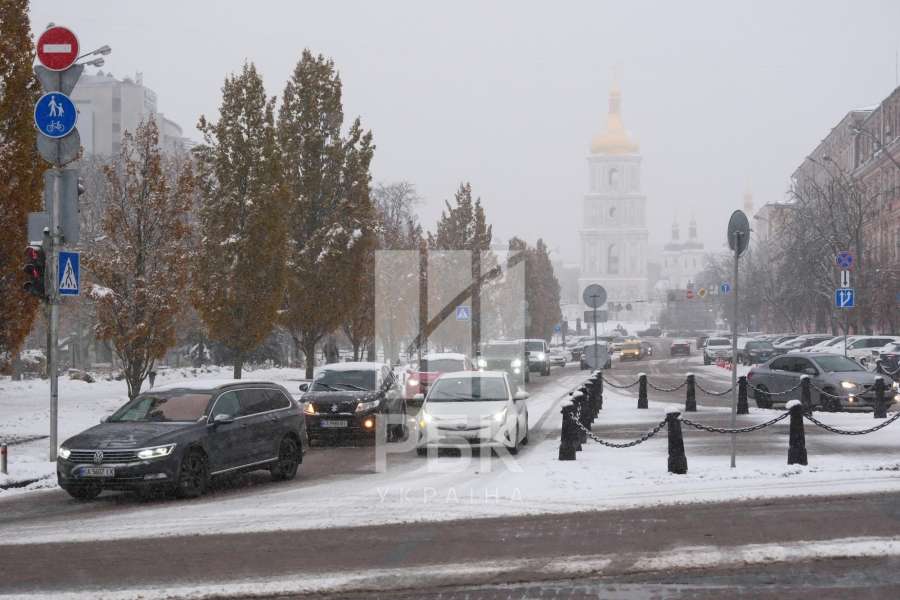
(631, 349)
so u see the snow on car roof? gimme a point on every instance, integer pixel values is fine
(204, 384)
(444, 356)
(473, 374)
(352, 366)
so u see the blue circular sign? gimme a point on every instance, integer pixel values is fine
(725, 287)
(55, 115)
(844, 260)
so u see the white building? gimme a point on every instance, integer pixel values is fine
(614, 231)
(107, 107)
(682, 260)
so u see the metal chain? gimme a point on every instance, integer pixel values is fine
(710, 393)
(621, 387)
(752, 428)
(823, 392)
(603, 442)
(770, 394)
(667, 390)
(850, 432)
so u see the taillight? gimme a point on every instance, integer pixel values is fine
(749, 375)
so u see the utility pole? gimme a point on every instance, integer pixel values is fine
(738, 240)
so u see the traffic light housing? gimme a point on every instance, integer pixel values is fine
(35, 269)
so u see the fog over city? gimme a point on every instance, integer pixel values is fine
(723, 98)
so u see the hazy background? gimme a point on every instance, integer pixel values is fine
(724, 97)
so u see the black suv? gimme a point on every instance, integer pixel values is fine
(181, 435)
(344, 399)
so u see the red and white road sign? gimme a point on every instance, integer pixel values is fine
(690, 294)
(57, 48)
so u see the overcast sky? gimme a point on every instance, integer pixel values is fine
(723, 96)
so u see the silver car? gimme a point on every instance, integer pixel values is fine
(844, 382)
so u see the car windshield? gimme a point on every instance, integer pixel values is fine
(631, 346)
(534, 346)
(837, 364)
(760, 346)
(441, 365)
(468, 389)
(501, 350)
(717, 342)
(177, 405)
(332, 380)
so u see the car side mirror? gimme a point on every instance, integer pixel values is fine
(304, 387)
(521, 395)
(810, 371)
(222, 419)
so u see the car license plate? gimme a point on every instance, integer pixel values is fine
(332, 423)
(97, 472)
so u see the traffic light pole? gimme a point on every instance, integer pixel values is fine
(51, 286)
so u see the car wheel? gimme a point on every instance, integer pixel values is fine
(288, 460)
(193, 475)
(84, 492)
(514, 449)
(763, 400)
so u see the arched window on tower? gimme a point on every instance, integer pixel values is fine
(613, 179)
(612, 260)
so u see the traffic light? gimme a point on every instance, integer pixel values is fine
(35, 267)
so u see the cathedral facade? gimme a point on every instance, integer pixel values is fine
(614, 218)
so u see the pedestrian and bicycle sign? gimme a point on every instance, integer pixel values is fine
(69, 274)
(844, 298)
(55, 115)
(463, 313)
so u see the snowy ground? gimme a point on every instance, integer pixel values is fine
(453, 487)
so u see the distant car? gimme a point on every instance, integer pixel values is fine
(180, 436)
(480, 409)
(508, 356)
(537, 355)
(345, 399)
(755, 352)
(646, 348)
(558, 356)
(801, 341)
(716, 348)
(680, 347)
(650, 332)
(835, 375)
(861, 349)
(630, 350)
(431, 367)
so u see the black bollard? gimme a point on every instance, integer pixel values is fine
(600, 389)
(797, 443)
(805, 393)
(690, 400)
(585, 417)
(677, 458)
(567, 436)
(642, 390)
(592, 394)
(742, 408)
(880, 405)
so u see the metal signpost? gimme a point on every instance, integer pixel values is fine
(594, 296)
(738, 240)
(844, 296)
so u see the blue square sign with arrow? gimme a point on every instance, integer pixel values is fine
(69, 274)
(844, 298)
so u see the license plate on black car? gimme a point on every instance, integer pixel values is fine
(332, 423)
(97, 472)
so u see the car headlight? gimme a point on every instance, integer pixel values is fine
(413, 382)
(424, 419)
(482, 362)
(500, 416)
(366, 406)
(155, 452)
(517, 362)
(63, 452)
(309, 408)
(848, 385)
(540, 356)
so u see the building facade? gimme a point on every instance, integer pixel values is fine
(682, 259)
(108, 107)
(613, 217)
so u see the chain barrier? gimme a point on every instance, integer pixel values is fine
(620, 387)
(770, 394)
(666, 390)
(711, 393)
(752, 428)
(823, 392)
(603, 442)
(826, 427)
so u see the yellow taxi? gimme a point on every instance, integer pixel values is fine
(631, 349)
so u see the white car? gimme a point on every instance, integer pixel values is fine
(860, 349)
(715, 348)
(826, 346)
(473, 409)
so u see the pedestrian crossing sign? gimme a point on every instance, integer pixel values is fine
(69, 274)
(463, 313)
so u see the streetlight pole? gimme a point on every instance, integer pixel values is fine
(734, 338)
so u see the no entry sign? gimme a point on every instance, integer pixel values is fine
(57, 48)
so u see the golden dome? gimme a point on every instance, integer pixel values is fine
(615, 140)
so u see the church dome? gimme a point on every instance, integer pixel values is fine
(615, 140)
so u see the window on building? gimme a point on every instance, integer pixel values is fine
(117, 105)
(612, 260)
(613, 179)
(612, 212)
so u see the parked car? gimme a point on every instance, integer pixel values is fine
(680, 347)
(823, 346)
(652, 331)
(801, 341)
(755, 352)
(480, 409)
(505, 356)
(423, 374)
(830, 373)
(716, 348)
(558, 356)
(537, 354)
(861, 348)
(782, 338)
(630, 350)
(345, 398)
(888, 360)
(180, 436)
